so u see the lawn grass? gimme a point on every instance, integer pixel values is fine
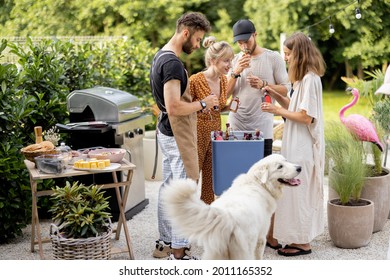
(333, 101)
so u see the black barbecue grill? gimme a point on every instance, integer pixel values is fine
(111, 118)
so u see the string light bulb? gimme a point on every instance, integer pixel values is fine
(358, 15)
(331, 29)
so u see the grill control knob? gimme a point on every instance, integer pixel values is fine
(139, 131)
(130, 134)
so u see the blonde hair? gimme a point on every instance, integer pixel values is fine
(216, 50)
(305, 57)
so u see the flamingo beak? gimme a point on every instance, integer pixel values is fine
(348, 89)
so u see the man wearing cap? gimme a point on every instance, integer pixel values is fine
(254, 70)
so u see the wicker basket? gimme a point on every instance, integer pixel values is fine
(31, 155)
(91, 248)
(278, 131)
(278, 134)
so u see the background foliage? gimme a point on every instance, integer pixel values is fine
(357, 45)
(33, 92)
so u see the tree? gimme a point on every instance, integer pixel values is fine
(357, 44)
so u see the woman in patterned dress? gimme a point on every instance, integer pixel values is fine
(212, 80)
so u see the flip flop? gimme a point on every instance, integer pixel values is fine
(276, 247)
(299, 251)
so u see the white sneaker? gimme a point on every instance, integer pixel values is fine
(187, 256)
(162, 249)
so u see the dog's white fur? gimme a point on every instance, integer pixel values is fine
(235, 225)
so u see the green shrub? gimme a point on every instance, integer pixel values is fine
(33, 93)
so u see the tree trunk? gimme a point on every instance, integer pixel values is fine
(348, 70)
(360, 72)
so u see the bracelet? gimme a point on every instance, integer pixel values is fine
(265, 83)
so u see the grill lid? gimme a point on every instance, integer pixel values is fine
(107, 104)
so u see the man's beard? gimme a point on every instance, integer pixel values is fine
(187, 46)
(253, 49)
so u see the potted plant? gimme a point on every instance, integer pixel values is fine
(82, 225)
(376, 185)
(350, 218)
(382, 116)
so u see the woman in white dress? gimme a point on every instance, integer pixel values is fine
(299, 217)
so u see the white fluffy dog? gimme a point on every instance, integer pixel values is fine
(234, 226)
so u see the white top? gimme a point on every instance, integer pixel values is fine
(268, 66)
(299, 217)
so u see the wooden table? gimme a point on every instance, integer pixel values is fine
(36, 175)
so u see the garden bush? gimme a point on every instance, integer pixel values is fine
(33, 93)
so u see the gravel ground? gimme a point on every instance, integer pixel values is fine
(143, 232)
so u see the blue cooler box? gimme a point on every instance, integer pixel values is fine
(232, 158)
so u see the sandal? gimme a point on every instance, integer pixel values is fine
(276, 247)
(299, 251)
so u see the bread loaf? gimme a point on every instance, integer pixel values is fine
(41, 147)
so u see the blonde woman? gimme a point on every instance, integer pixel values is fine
(211, 81)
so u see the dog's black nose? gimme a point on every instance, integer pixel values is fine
(299, 169)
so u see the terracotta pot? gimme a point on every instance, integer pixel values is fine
(350, 227)
(377, 189)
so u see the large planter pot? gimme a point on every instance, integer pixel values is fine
(377, 189)
(350, 227)
(149, 143)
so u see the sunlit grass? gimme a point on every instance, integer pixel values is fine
(333, 101)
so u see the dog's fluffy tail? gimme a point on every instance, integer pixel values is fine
(194, 219)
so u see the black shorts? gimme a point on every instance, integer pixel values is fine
(267, 147)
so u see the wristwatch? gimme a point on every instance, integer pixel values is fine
(203, 104)
(234, 75)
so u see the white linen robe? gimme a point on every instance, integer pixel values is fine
(299, 217)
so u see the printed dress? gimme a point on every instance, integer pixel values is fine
(206, 123)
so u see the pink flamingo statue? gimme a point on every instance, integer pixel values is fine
(358, 124)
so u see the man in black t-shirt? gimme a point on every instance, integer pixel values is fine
(176, 129)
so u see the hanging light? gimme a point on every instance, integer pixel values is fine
(358, 15)
(331, 29)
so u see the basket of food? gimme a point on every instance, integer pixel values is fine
(35, 150)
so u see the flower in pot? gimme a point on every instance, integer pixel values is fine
(81, 222)
(350, 218)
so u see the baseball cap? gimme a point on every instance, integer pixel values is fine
(385, 88)
(243, 29)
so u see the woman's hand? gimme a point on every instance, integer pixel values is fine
(269, 108)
